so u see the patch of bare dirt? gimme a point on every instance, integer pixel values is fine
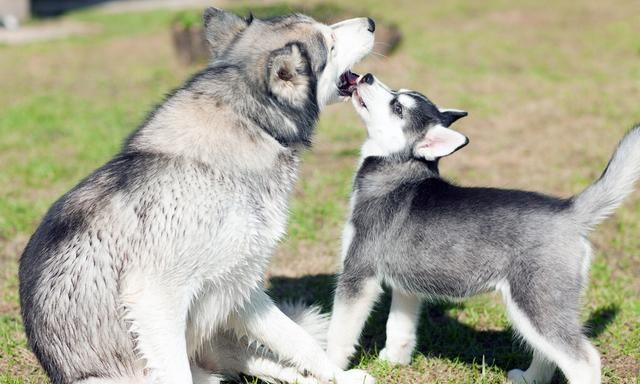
(46, 31)
(625, 367)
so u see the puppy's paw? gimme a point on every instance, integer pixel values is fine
(340, 356)
(517, 376)
(354, 376)
(395, 356)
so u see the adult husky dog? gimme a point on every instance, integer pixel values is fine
(132, 274)
(427, 238)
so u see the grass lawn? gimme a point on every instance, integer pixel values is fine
(551, 86)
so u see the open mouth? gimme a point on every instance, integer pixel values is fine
(347, 83)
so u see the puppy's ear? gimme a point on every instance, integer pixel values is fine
(449, 116)
(440, 141)
(221, 27)
(288, 74)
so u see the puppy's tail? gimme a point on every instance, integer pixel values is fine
(601, 198)
(310, 318)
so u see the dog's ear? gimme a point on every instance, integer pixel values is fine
(449, 116)
(440, 141)
(221, 27)
(288, 74)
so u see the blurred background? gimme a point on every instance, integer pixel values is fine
(551, 86)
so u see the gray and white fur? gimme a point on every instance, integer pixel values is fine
(231, 355)
(427, 238)
(135, 273)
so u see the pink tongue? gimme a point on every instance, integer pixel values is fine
(352, 78)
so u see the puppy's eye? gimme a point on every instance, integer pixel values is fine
(397, 108)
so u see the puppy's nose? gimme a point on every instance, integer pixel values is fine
(372, 25)
(368, 78)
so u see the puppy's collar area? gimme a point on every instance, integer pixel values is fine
(429, 166)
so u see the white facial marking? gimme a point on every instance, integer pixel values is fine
(407, 101)
(351, 41)
(385, 124)
(385, 129)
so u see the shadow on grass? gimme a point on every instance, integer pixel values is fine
(439, 334)
(600, 319)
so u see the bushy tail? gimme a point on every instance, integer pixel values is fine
(601, 198)
(310, 318)
(266, 365)
(238, 354)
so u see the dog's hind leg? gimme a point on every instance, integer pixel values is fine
(549, 323)
(401, 328)
(540, 371)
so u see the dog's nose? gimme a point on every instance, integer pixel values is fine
(372, 25)
(368, 78)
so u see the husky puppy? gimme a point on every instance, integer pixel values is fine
(134, 272)
(426, 238)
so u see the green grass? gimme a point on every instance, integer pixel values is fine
(550, 87)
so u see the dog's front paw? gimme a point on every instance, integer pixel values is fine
(354, 376)
(517, 376)
(395, 356)
(306, 380)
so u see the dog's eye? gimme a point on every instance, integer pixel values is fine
(397, 108)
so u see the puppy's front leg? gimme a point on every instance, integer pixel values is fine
(401, 328)
(264, 321)
(351, 307)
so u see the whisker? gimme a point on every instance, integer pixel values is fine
(379, 54)
(376, 58)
